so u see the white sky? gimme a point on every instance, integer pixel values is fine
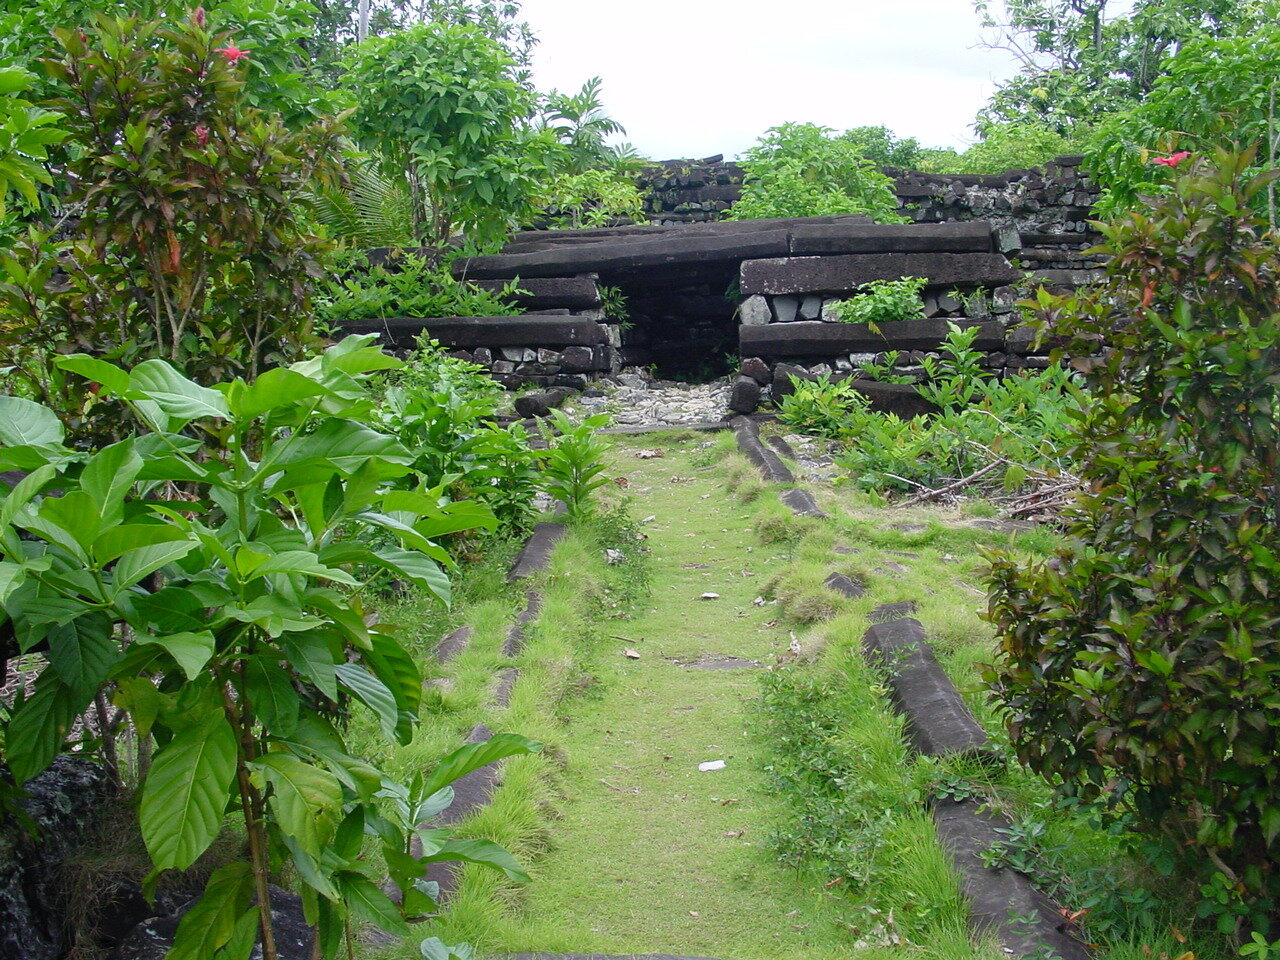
(699, 77)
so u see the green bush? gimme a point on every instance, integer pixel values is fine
(800, 170)
(1025, 420)
(1141, 667)
(410, 286)
(883, 301)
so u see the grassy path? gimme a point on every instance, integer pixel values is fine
(649, 854)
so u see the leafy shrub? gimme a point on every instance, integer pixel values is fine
(443, 411)
(1012, 145)
(800, 170)
(593, 198)
(411, 285)
(883, 301)
(214, 588)
(573, 463)
(1024, 419)
(1139, 667)
(190, 242)
(445, 106)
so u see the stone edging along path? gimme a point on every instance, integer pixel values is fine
(939, 723)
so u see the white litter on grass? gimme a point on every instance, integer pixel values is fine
(710, 765)
(650, 518)
(710, 596)
(614, 556)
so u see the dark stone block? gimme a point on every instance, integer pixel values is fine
(578, 360)
(1000, 899)
(618, 258)
(757, 370)
(900, 399)
(570, 381)
(516, 637)
(522, 331)
(745, 396)
(845, 586)
(453, 644)
(938, 721)
(537, 550)
(783, 376)
(806, 338)
(973, 236)
(540, 403)
(843, 274)
(802, 503)
(542, 293)
(507, 678)
(768, 462)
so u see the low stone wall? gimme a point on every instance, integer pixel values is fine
(1040, 214)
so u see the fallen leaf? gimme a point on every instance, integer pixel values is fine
(631, 654)
(694, 913)
(735, 833)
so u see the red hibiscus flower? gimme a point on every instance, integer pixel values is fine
(232, 53)
(1173, 159)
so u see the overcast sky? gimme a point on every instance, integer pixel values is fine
(699, 77)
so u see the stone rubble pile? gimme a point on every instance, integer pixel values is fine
(636, 399)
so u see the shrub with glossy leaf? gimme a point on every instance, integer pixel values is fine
(882, 301)
(573, 463)
(1142, 665)
(801, 170)
(216, 590)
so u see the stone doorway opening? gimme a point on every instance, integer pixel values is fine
(682, 328)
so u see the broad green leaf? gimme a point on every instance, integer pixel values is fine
(118, 540)
(310, 654)
(434, 805)
(83, 652)
(373, 693)
(190, 650)
(278, 387)
(368, 902)
(11, 577)
(140, 697)
(109, 375)
(24, 491)
(170, 610)
(301, 562)
(396, 669)
(12, 80)
(479, 851)
(271, 696)
(108, 476)
(178, 397)
(186, 792)
(417, 568)
(309, 868)
(473, 756)
(37, 730)
(315, 736)
(341, 445)
(211, 923)
(133, 565)
(71, 521)
(355, 354)
(306, 799)
(24, 423)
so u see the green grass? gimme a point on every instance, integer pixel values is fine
(815, 840)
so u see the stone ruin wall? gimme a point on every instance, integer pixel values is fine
(1038, 231)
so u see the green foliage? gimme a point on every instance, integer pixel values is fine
(442, 410)
(1213, 92)
(366, 208)
(883, 301)
(1139, 667)
(594, 198)
(883, 147)
(411, 285)
(216, 588)
(190, 242)
(1025, 420)
(573, 463)
(443, 105)
(1078, 64)
(800, 170)
(26, 133)
(580, 127)
(1014, 145)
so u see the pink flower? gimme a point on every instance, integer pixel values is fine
(1173, 159)
(197, 16)
(232, 53)
(202, 135)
